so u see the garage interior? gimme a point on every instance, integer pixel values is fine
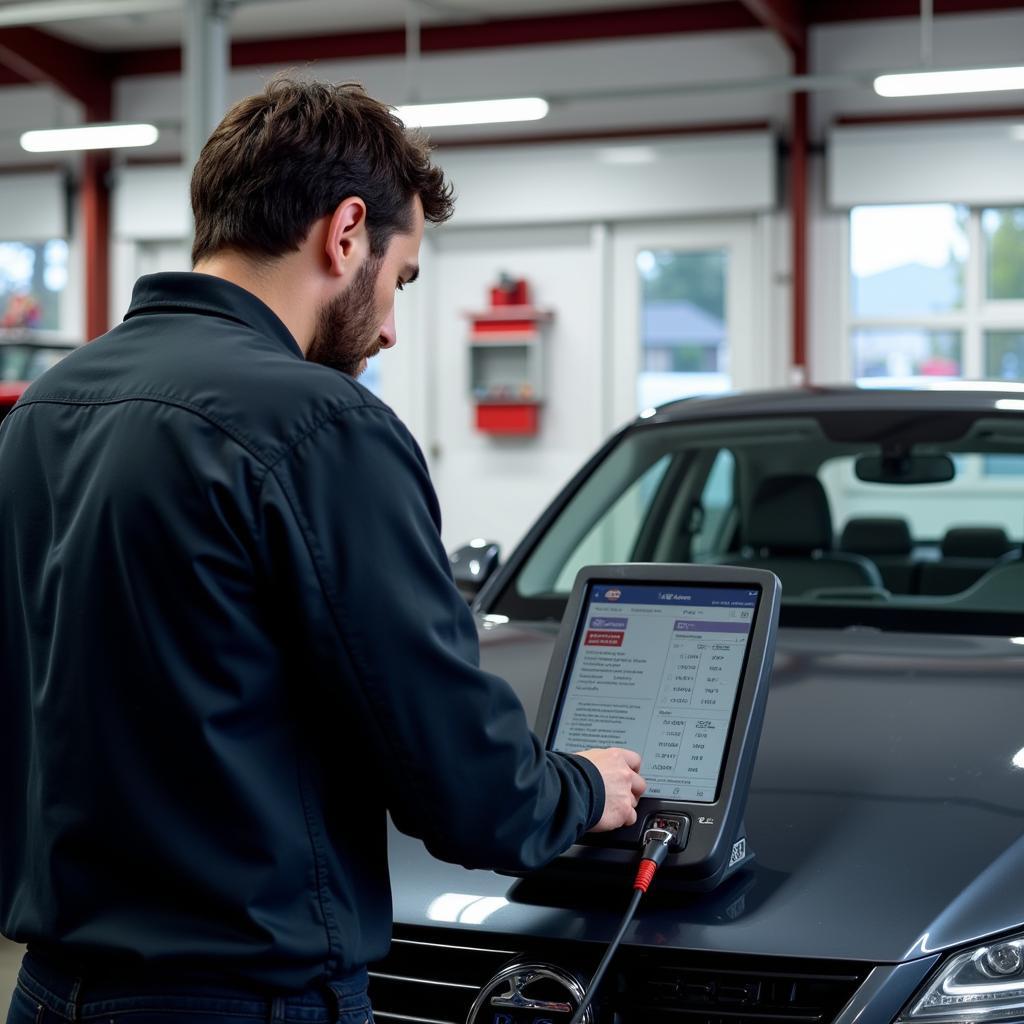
(716, 198)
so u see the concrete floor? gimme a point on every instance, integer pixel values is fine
(10, 961)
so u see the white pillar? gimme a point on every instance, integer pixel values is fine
(206, 59)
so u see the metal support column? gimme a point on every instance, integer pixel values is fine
(206, 60)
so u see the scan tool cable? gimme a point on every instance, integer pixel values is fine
(658, 840)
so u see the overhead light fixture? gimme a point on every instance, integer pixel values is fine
(627, 155)
(89, 136)
(940, 83)
(443, 115)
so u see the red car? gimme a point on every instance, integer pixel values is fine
(25, 356)
(10, 392)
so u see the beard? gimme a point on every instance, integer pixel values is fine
(348, 326)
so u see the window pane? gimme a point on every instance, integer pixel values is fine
(907, 260)
(607, 514)
(32, 276)
(718, 501)
(614, 537)
(1004, 355)
(1004, 252)
(900, 353)
(683, 325)
(931, 510)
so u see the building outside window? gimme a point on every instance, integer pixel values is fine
(684, 334)
(936, 291)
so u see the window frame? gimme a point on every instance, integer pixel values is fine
(979, 314)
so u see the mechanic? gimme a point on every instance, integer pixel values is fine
(230, 636)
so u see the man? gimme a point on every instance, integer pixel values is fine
(230, 638)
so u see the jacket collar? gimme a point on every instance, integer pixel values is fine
(210, 296)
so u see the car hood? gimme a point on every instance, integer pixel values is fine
(885, 812)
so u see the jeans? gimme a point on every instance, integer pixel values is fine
(44, 995)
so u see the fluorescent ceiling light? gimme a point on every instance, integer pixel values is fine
(89, 136)
(626, 155)
(935, 83)
(438, 115)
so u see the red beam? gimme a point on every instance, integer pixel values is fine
(783, 17)
(716, 16)
(823, 11)
(798, 201)
(37, 56)
(94, 210)
(9, 77)
(982, 114)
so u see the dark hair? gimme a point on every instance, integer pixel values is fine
(287, 156)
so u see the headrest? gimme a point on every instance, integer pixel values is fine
(877, 535)
(790, 514)
(975, 542)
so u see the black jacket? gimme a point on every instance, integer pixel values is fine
(230, 642)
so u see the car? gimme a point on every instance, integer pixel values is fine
(25, 355)
(887, 803)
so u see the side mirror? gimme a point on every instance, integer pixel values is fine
(473, 565)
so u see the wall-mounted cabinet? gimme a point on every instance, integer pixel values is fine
(506, 361)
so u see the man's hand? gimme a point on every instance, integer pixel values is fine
(623, 786)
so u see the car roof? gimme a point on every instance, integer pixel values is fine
(946, 396)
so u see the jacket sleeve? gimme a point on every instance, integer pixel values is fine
(353, 525)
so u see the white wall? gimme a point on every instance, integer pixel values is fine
(494, 487)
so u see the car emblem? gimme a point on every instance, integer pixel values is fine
(528, 993)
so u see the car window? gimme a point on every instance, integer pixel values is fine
(987, 492)
(41, 360)
(14, 362)
(805, 498)
(27, 362)
(613, 537)
(718, 508)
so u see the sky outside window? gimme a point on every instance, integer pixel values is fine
(908, 260)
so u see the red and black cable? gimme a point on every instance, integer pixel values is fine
(657, 843)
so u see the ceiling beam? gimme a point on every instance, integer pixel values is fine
(784, 17)
(822, 12)
(37, 56)
(712, 16)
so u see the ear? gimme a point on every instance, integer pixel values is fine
(346, 235)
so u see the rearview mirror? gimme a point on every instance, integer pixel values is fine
(905, 468)
(473, 565)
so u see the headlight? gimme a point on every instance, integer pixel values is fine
(981, 985)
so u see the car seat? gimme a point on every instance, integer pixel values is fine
(789, 531)
(968, 552)
(887, 542)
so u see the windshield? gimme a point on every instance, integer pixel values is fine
(861, 515)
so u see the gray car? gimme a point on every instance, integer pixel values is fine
(887, 802)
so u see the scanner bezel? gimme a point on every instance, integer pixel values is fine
(714, 845)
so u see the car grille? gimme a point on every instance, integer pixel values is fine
(433, 976)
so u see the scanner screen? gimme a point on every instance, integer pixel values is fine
(657, 669)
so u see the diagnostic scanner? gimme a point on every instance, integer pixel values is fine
(672, 661)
